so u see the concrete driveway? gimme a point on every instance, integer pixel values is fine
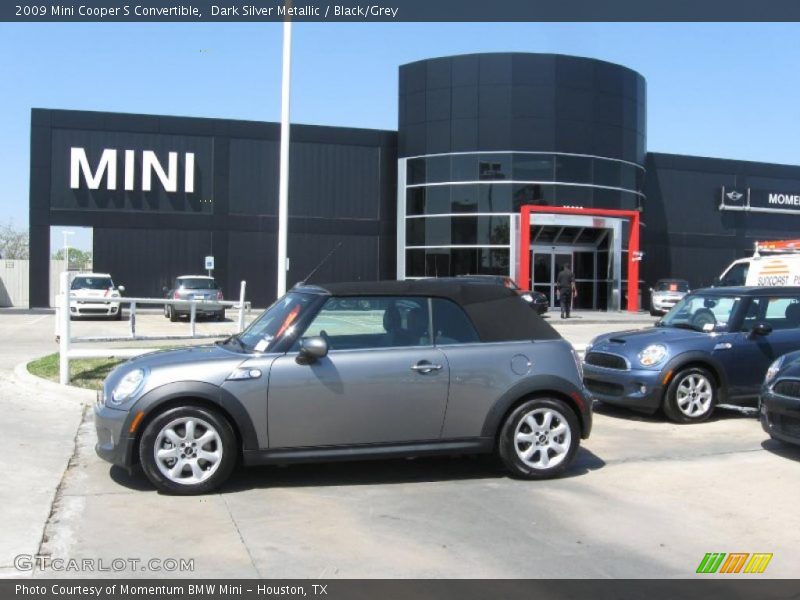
(645, 498)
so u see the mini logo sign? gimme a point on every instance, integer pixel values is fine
(734, 196)
(734, 563)
(106, 169)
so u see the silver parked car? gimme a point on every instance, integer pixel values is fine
(665, 294)
(353, 371)
(194, 287)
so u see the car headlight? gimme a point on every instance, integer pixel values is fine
(773, 369)
(652, 355)
(527, 297)
(127, 386)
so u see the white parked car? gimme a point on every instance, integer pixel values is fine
(94, 285)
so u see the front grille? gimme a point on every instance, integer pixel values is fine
(607, 361)
(604, 387)
(94, 311)
(785, 425)
(788, 387)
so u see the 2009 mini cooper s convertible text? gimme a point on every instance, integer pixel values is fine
(353, 371)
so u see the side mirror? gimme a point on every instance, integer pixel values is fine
(120, 288)
(762, 328)
(312, 349)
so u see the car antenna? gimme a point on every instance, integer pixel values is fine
(322, 262)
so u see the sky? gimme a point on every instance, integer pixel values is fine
(722, 90)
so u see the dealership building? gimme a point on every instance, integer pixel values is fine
(502, 163)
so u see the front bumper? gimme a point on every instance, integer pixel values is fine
(113, 442)
(780, 416)
(639, 389)
(86, 309)
(664, 305)
(540, 308)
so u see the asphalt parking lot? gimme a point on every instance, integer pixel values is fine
(645, 498)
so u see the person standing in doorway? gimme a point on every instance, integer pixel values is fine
(566, 289)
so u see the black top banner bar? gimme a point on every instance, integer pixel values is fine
(399, 10)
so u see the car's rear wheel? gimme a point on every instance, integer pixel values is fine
(188, 450)
(173, 314)
(691, 396)
(539, 438)
(220, 315)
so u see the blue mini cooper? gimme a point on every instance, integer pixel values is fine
(712, 348)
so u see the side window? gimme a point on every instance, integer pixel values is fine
(367, 322)
(736, 275)
(451, 325)
(780, 313)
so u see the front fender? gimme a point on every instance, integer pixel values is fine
(676, 363)
(541, 384)
(224, 400)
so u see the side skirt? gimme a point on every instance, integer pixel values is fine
(281, 456)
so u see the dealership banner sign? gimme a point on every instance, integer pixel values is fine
(752, 200)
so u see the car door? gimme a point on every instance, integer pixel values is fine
(755, 352)
(382, 380)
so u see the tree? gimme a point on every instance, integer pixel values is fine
(78, 259)
(13, 242)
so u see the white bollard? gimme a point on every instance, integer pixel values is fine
(192, 315)
(64, 334)
(132, 319)
(241, 306)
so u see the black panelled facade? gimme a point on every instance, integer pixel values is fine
(478, 137)
(687, 235)
(218, 197)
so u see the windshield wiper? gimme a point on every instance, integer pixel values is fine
(683, 326)
(234, 338)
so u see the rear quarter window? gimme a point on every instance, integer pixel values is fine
(451, 324)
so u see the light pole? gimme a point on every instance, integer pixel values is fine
(66, 233)
(283, 185)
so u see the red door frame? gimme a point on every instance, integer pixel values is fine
(526, 212)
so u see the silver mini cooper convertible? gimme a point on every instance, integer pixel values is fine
(353, 371)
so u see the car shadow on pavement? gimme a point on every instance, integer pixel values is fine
(368, 472)
(781, 449)
(620, 412)
(392, 471)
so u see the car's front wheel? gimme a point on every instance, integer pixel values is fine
(691, 396)
(539, 438)
(188, 450)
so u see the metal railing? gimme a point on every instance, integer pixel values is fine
(65, 339)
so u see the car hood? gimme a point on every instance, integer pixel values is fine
(210, 364)
(629, 343)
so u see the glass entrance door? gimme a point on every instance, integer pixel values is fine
(545, 266)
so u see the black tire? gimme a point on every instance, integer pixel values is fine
(679, 404)
(118, 316)
(517, 422)
(173, 314)
(654, 313)
(220, 315)
(201, 417)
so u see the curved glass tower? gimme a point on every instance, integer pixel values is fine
(482, 135)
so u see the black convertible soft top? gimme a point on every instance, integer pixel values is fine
(498, 313)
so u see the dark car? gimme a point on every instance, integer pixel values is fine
(194, 287)
(419, 367)
(780, 399)
(713, 347)
(536, 300)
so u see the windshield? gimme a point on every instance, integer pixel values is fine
(196, 284)
(277, 321)
(701, 312)
(672, 286)
(91, 283)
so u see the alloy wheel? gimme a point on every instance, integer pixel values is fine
(542, 438)
(188, 450)
(694, 395)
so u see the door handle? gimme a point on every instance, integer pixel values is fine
(425, 367)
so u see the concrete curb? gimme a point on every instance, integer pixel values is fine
(70, 393)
